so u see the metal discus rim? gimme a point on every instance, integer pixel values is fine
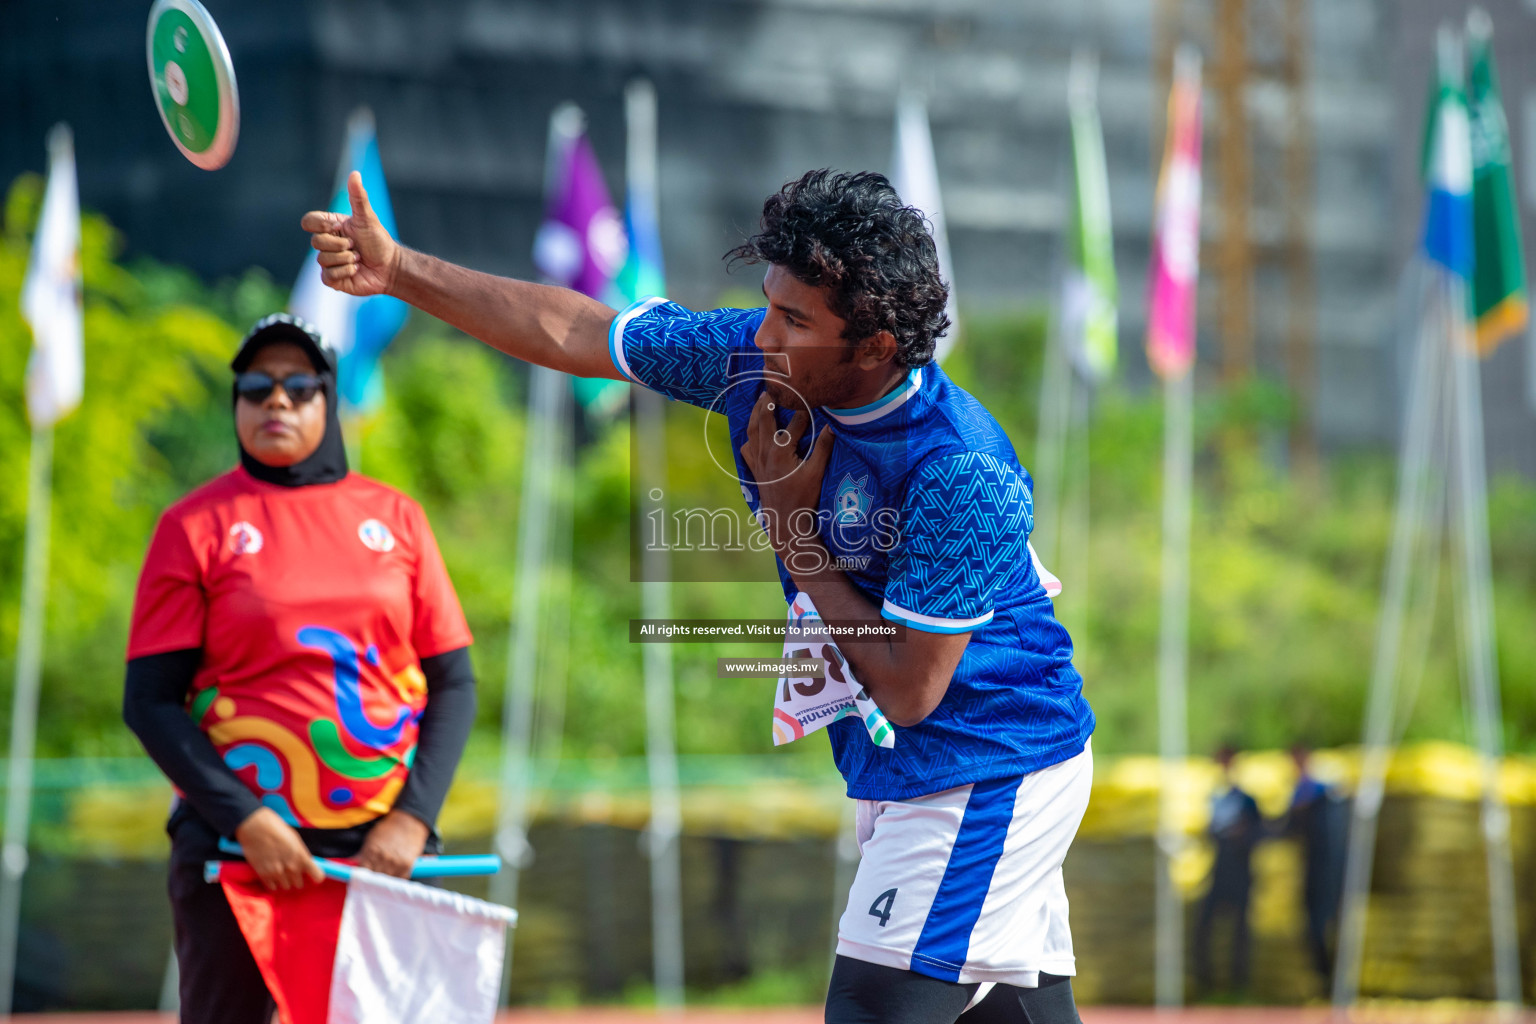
(222, 145)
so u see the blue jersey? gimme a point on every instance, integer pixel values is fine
(924, 505)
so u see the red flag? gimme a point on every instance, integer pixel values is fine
(292, 934)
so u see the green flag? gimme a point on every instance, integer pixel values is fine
(1088, 314)
(1498, 284)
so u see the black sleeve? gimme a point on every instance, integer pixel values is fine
(445, 726)
(155, 708)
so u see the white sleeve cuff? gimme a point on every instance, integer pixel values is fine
(616, 335)
(933, 623)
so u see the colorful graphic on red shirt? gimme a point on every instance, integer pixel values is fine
(324, 766)
(313, 608)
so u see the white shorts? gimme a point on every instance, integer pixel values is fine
(965, 885)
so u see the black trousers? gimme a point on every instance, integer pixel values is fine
(1321, 907)
(865, 993)
(220, 982)
(1230, 904)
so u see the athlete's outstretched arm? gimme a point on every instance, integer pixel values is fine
(906, 678)
(554, 327)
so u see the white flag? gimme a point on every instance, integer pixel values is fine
(915, 177)
(50, 297)
(409, 953)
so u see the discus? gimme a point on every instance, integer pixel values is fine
(193, 81)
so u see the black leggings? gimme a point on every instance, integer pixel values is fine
(865, 993)
(220, 982)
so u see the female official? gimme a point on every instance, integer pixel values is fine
(298, 666)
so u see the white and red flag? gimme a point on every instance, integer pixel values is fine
(375, 949)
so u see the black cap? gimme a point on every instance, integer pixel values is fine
(285, 327)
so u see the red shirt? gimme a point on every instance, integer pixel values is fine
(313, 607)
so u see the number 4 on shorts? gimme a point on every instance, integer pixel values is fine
(881, 908)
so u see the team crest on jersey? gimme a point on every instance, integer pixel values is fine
(853, 501)
(375, 536)
(245, 539)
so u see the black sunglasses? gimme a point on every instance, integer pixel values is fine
(300, 387)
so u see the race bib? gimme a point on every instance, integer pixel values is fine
(803, 704)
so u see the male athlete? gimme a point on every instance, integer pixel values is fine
(887, 493)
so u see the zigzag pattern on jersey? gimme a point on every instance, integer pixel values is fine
(686, 355)
(967, 519)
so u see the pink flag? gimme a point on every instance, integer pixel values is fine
(1176, 241)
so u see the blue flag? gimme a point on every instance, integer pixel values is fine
(359, 329)
(643, 275)
(1448, 239)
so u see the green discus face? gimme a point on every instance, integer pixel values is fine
(193, 82)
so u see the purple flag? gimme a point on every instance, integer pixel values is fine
(581, 243)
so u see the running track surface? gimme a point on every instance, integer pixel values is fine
(1428, 1014)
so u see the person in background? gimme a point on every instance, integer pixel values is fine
(1236, 828)
(1315, 820)
(298, 666)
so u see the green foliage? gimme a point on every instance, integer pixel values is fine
(1286, 569)
(144, 352)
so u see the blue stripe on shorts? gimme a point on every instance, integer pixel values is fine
(946, 937)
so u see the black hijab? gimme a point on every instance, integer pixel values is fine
(327, 463)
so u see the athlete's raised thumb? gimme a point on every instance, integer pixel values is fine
(358, 196)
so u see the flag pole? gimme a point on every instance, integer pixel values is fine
(29, 666)
(664, 831)
(51, 302)
(1501, 305)
(1172, 669)
(1479, 653)
(1413, 496)
(542, 447)
(1171, 349)
(1075, 543)
(547, 408)
(1050, 444)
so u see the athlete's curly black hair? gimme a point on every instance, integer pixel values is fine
(853, 234)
